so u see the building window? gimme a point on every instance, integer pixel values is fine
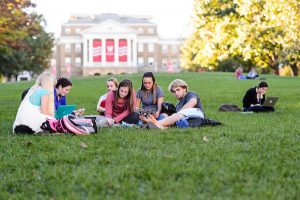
(78, 62)
(67, 30)
(140, 47)
(87, 52)
(164, 62)
(140, 30)
(150, 47)
(151, 30)
(174, 49)
(140, 61)
(174, 62)
(67, 60)
(150, 61)
(67, 48)
(165, 48)
(77, 30)
(78, 48)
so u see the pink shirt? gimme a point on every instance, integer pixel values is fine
(118, 110)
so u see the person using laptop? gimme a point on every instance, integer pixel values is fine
(255, 97)
(62, 88)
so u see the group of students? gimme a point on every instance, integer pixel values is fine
(120, 103)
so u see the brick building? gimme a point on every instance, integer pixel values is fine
(112, 44)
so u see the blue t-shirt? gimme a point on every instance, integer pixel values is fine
(61, 101)
(36, 97)
(187, 98)
(146, 97)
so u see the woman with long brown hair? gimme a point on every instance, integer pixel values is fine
(150, 95)
(120, 104)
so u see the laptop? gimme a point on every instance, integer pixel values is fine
(270, 101)
(64, 110)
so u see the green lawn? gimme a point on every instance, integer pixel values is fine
(252, 156)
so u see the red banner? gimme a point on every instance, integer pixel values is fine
(123, 50)
(97, 50)
(110, 51)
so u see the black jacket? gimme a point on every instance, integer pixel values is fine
(251, 98)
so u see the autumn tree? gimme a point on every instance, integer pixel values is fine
(24, 44)
(262, 33)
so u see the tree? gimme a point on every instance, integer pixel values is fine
(263, 33)
(24, 44)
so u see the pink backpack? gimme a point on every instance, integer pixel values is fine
(70, 124)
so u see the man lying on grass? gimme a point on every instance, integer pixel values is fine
(189, 104)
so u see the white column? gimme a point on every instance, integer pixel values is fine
(91, 52)
(129, 61)
(85, 50)
(134, 59)
(116, 51)
(103, 51)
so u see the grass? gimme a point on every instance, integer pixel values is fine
(252, 156)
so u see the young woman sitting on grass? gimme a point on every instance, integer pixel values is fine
(37, 105)
(112, 85)
(188, 104)
(120, 104)
(150, 95)
(62, 88)
(255, 97)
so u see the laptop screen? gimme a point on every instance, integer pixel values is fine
(270, 101)
(64, 110)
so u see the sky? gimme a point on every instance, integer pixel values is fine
(171, 16)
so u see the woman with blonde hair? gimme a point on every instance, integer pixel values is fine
(112, 85)
(37, 105)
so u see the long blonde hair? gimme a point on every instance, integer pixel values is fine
(47, 81)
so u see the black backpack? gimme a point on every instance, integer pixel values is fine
(168, 108)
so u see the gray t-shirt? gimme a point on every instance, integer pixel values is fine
(186, 99)
(146, 97)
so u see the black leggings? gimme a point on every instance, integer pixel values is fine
(132, 118)
(259, 109)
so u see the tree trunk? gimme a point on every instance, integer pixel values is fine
(295, 69)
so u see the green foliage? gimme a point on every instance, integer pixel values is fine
(24, 44)
(252, 156)
(262, 33)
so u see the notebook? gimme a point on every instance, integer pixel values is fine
(270, 101)
(64, 110)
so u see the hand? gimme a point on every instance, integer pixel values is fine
(155, 115)
(110, 121)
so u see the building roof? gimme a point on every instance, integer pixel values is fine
(98, 18)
